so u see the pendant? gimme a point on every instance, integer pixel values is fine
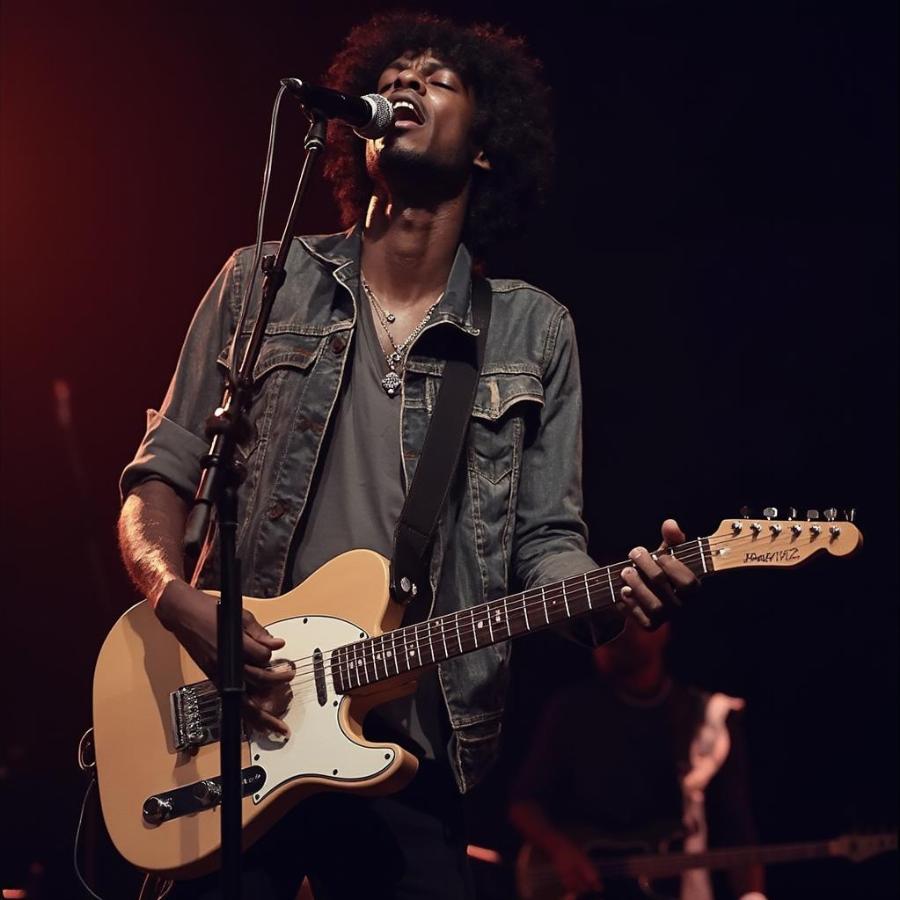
(390, 317)
(391, 383)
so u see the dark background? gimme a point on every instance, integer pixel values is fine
(723, 230)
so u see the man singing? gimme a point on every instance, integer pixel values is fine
(343, 395)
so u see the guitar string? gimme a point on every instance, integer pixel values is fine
(305, 687)
(305, 690)
(465, 629)
(462, 629)
(596, 573)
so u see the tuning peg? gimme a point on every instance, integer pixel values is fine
(812, 515)
(770, 512)
(745, 512)
(850, 514)
(792, 514)
(830, 514)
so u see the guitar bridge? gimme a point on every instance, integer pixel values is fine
(195, 711)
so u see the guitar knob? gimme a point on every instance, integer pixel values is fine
(770, 512)
(745, 512)
(208, 792)
(830, 514)
(792, 514)
(157, 809)
(850, 514)
(812, 515)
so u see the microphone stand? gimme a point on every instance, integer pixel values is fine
(218, 489)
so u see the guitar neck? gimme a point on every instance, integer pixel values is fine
(736, 544)
(670, 864)
(415, 647)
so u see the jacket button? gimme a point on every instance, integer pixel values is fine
(277, 510)
(338, 342)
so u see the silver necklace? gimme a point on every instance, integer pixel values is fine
(395, 359)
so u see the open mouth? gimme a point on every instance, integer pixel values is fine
(407, 113)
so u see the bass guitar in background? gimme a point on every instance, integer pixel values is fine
(632, 871)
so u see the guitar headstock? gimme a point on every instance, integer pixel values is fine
(860, 847)
(769, 542)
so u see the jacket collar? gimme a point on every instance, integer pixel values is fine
(342, 251)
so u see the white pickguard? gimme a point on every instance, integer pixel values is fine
(317, 744)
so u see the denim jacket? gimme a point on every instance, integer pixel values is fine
(513, 515)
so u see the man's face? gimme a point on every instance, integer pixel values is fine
(431, 136)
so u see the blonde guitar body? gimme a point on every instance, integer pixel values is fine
(141, 665)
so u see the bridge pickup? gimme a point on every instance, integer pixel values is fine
(198, 796)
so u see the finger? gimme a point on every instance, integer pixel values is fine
(258, 633)
(671, 534)
(683, 579)
(648, 566)
(643, 598)
(274, 701)
(282, 671)
(255, 653)
(262, 720)
(634, 610)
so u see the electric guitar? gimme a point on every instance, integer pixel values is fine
(156, 715)
(627, 873)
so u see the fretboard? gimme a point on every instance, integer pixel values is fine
(420, 646)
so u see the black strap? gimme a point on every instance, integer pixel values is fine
(440, 453)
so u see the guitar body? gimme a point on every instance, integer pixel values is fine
(141, 665)
(156, 716)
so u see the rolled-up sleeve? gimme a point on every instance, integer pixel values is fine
(175, 440)
(551, 535)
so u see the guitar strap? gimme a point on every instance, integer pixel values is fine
(414, 536)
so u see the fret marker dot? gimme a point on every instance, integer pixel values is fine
(388, 654)
(481, 624)
(412, 652)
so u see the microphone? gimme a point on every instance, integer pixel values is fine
(370, 115)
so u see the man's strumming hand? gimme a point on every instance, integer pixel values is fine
(191, 616)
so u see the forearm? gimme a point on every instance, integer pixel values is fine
(151, 529)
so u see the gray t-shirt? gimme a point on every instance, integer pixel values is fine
(356, 504)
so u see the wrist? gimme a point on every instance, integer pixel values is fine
(165, 600)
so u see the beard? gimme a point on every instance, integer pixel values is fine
(418, 177)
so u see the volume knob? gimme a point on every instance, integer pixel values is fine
(157, 809)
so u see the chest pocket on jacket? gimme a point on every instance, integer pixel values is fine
(283, 355)
(504, 404)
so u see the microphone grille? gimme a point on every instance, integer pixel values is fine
(382, 117)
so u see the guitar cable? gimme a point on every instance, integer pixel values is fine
(87, 793)
(86, 762)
